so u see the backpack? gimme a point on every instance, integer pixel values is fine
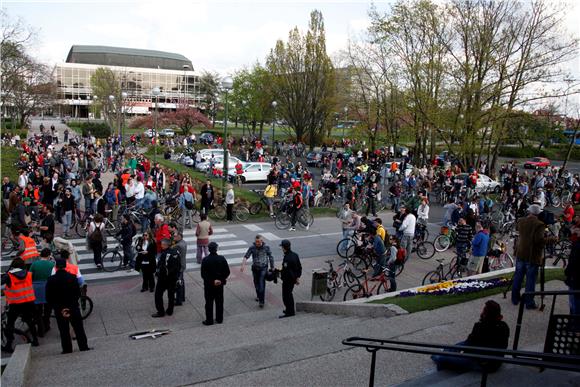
(188, 204)
(455, 215)
(97, 235)
(401, 255)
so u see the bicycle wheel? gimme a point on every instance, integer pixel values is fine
(112, 261)
(20, 336)
(384, 286)
(506, 261)
(8, 246)
(350, 278)
(433, 277)
(566, 198)
(305, 219)
(354, 292)
(399, 267)
(442, 243)
(86, 306)
(425, 250)
(219, 212)
(360, 263)
(282, 221)
(330, 292)
(110, 228)
(81, 228)
(556, 201)
(343, 246)
(256, 208)
(242, 213)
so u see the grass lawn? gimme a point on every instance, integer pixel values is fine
(429, 302)
(9, 157)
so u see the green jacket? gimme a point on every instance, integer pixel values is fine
(531, 240)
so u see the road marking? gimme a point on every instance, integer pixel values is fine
(253, 227)
(271, 237)
(188, 232)
(315, 235)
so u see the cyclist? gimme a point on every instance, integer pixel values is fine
(239, 170)
(297, 203)
(20, 297)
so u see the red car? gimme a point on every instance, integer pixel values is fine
(537, 163)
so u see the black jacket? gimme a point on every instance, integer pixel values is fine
(205, 198)
(127, 232)
(572, 270)
(291, 267)
(147, 255)
(62, 290)
(168, 265)
(214, 267)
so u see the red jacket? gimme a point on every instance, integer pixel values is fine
(162, 232)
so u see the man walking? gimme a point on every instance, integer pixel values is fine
(261, 256)
(168, 268)
(63, 293)
(214, 272)
(291, 273)
(529, 255)
(181, 248)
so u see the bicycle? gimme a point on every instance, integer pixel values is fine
(435, 276)
(500, 258)
(360, 290)
(283, 220)
(112, 259)
(341, 277)
(256, 207)
(82, 226)
(445, 239)
(240, 212)
(21, 330)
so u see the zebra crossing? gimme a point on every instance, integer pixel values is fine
(230, 246)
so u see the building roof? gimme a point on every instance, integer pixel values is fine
(127, 57)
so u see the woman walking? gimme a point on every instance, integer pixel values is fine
(203, 232)
(146, 251)
(96, 239)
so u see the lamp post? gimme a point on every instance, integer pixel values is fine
(227, 84)
(185, 103)
(112, 99)
(345, 119)
(244, 103)
(156, 91)
(274, 104)
(95, 99)
(123, 98)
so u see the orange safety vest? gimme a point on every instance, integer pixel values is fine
(72, 269)
(20, 290)
(30, 250)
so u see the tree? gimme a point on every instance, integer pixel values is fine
(209, 87)
(27, 85)
(303, 80)
(104, 83)
(185, 119)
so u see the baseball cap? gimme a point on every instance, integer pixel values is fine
(534, 209)
(60, 263)
(285, 243)
(212, 246)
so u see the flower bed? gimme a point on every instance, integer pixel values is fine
(457, 287)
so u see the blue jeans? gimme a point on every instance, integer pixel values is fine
(574, 302)
(530, 271)
(259, 274)
(456, 363)
(139, 203)
(67, 221)
(345, 234)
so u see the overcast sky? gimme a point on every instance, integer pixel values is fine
(216, 35)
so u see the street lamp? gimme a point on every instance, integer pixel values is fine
(156, 91)
(123, 98)
(274, 104)
(244, 103)
(227, 84)
(112, 99)
(95, 98)
(345, 119)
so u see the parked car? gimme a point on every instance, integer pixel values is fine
(167, 132)
(484, 184)
(148, 133)
(252, 172)
(219, 163)
(537, 163)
(314, 159)
(206, 153)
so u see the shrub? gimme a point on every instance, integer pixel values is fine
(97, 129)
(523, 153)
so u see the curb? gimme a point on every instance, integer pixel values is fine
(14, 374)
(346, 309)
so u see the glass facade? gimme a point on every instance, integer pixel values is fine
(74, 87)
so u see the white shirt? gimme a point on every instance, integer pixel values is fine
(139, 191)
(230, 197)
(22, 181)
(423, 212)
(408, 226)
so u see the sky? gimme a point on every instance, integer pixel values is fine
(216, 35)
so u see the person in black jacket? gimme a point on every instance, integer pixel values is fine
(63, 293)
(145, 262)
(126, 234)
(207, 197)
(168, 267)
(572, 273)
(291, 273)
(214, 271)
(489, 332)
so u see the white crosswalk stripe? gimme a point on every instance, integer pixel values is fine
(230, 247)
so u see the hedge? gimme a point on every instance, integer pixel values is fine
(97, 129)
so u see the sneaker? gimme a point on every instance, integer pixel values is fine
(261, 305)
(292, 229)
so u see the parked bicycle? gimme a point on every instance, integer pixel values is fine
(380, 283)
(456, 270)
(113, 258)
(240, 212)
(445, 239)
(343, 276)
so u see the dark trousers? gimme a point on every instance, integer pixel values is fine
(148, 278)
(180, 291)
(76, 321)
(230, 212)
(42, 318)
(294, 215)
(127, 254)
(97, 252)
(214, 294)
(259, 275)
(530, 272)
(287, 297)
(24, 311)
(164, 284)
(371, 207)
